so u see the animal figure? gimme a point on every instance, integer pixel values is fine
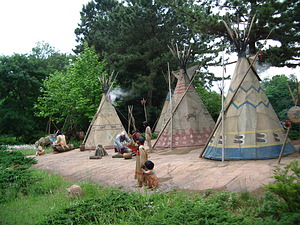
(74, 190)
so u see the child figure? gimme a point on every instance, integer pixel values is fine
(141, 158)
(39, 150)
(152, 180)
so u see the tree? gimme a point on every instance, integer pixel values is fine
(212, 101)
(133, 36)
(274, 20)
(278, 93)
(71, 98)
(21, 77)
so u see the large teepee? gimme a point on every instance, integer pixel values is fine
(106, 123)
(189, 124)
(251, 128)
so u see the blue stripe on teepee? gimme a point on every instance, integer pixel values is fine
(269, 152)
(246, 90)
(250, 103)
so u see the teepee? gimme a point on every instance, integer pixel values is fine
(163, 114)
(251, 128)
(106, 123)
(189, 124)
(166, 111)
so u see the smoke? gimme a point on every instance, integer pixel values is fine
(262, 67)
(118, 93)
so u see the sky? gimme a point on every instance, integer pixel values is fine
(23, 23)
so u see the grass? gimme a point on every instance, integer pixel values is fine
(31, 150)
(47, 202)
(46, 196)
(30, 196)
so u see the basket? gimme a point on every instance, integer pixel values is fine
(127, 155)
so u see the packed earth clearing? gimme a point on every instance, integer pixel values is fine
(175, 171)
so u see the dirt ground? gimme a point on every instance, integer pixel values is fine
(175, 171)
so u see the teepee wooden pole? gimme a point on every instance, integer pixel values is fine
(223, 126)
(171, 125)
(283, 145)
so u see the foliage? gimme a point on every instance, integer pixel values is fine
(133, 36)
(287, 187)
(46, 202)
(278, 94)
(9, 140)
(212, 101)
(280, 98)
(116, 207)
(14, 176)
(282, 16)
(21, 77)
(71, 98)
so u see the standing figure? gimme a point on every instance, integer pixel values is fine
(148, 134)
(152, 180)
(141, 158)
(119, 145)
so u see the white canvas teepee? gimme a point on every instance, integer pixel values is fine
(252, 129)
(106, 123)
(163, 114)
(189, 124)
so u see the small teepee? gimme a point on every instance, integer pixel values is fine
(251, 128)
(189, 124)
(106, 123)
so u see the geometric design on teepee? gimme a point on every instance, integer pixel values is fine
(189, 124)
(252, 129)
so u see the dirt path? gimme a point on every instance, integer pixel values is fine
(184, 171)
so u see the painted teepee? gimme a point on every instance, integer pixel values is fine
(166, 110)
(106, 123)
(251, 128)
(189, 124)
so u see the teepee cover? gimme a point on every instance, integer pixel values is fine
(106, 123)
(252, 128)
(190, 123)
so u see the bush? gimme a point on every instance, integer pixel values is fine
(15, 178)
(287, 187)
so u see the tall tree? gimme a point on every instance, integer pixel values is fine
(21, 77)
(275, 20)
(133, 36)
(71, 98)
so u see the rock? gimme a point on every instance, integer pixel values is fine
(74, 190)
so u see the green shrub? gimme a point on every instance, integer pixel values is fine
(287, 186)
(15, 178)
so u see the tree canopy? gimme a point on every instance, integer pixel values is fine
(21, 77)
(71, 98)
